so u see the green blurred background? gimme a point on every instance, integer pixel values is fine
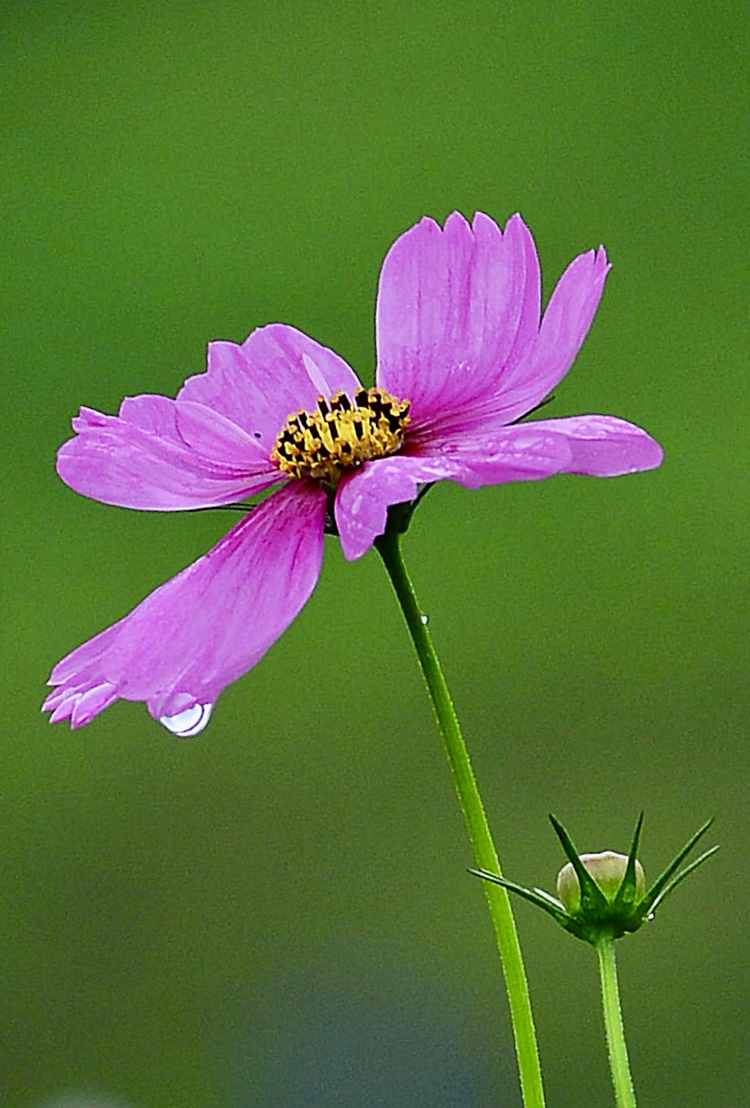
(276, 914)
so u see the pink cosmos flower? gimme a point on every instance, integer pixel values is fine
(462, 355)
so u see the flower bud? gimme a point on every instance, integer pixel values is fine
(607, 869)
(613, 901)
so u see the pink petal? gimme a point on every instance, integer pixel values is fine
(141, 458)
(603, 446)
(208, 625)
(526, 452)
(600, 446)
(458, 308)
(214, 436)
(565, 325)
(257, 385)
(364, 496)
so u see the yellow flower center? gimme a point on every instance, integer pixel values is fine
(340, 433)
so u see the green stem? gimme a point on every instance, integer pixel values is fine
(618, 1051)
(480, 836)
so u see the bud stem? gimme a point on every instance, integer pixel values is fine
(618, 1052)
(485, 855)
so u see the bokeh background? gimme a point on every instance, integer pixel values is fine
(276, 914)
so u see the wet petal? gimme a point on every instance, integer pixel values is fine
(141, 459)
(526, 452)
(604, 446)
(363, 497)
(597, 445)
(208, 625)
(275, 371)
(458, 308)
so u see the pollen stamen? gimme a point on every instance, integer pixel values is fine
(341, 433)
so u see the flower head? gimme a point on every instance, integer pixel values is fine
(604, 895)
(462, 355)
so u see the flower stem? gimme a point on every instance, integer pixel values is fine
(480, 836)
(618, 1051)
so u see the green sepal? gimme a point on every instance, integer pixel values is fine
(548, 903)
(680, 877)
(543, 900)
(663, 885)
(593, 900)
(627, 894)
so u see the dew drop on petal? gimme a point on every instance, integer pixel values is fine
(190, 722)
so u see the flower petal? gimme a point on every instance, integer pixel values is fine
(363, 497)
(275, 371)
(597, 445)
(566, 322)
(208, 625)
(458, 308)
(526, 452)
(603, 446)
(141, 459)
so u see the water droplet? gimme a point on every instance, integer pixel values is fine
(190, 722)
(424, 618)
